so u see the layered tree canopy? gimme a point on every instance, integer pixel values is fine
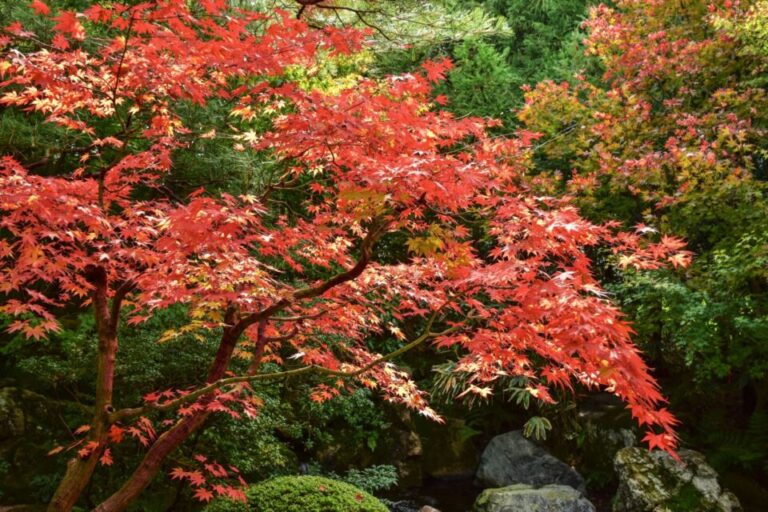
(492, 266)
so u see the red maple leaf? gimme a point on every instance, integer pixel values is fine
(40, 7)
(203, 494)
(106, 458)
(88, 449)
(178, 474)
(196, 478)
(436, 69)
(67, 23)
(115, 434)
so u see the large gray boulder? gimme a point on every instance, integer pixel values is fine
(655, 482)
(512, 459)
(525, 498)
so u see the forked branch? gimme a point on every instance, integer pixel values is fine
(124, 414)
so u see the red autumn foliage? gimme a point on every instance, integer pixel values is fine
(382, 161)
(676, 120)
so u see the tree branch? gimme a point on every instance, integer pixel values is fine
(359, 13)
(261, 344)
(118, 72)
(304, 4)
(366, 251)
(299, 318)
(240, 326)
(285, 337)
(305, 370)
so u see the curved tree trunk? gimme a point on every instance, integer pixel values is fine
(153, 460)
(70, 488)
(80, 470)
(175, 437)
(180, 432)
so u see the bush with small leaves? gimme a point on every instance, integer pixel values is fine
(305, 493)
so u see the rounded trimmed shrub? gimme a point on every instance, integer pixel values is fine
(302, 494)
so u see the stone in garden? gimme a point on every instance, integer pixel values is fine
(655, 482)
(525, 498)
(512, 459)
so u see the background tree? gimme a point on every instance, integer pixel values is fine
(673, 137)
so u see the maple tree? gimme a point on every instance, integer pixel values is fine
(373, 158)
(673, 135)
(675, 117)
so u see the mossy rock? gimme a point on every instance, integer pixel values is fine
(526, 498)
(301, 494)
(655, 482)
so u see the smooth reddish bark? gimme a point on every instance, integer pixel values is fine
(80, 470)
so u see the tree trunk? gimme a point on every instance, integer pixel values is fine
(70, 488)
(150, 464)
(171, 439)
(80, 470)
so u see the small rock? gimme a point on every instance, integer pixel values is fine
(512, 459)
(427, 508)
(525, 498)
(655, 482)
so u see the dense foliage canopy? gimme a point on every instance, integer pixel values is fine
(243, 212)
